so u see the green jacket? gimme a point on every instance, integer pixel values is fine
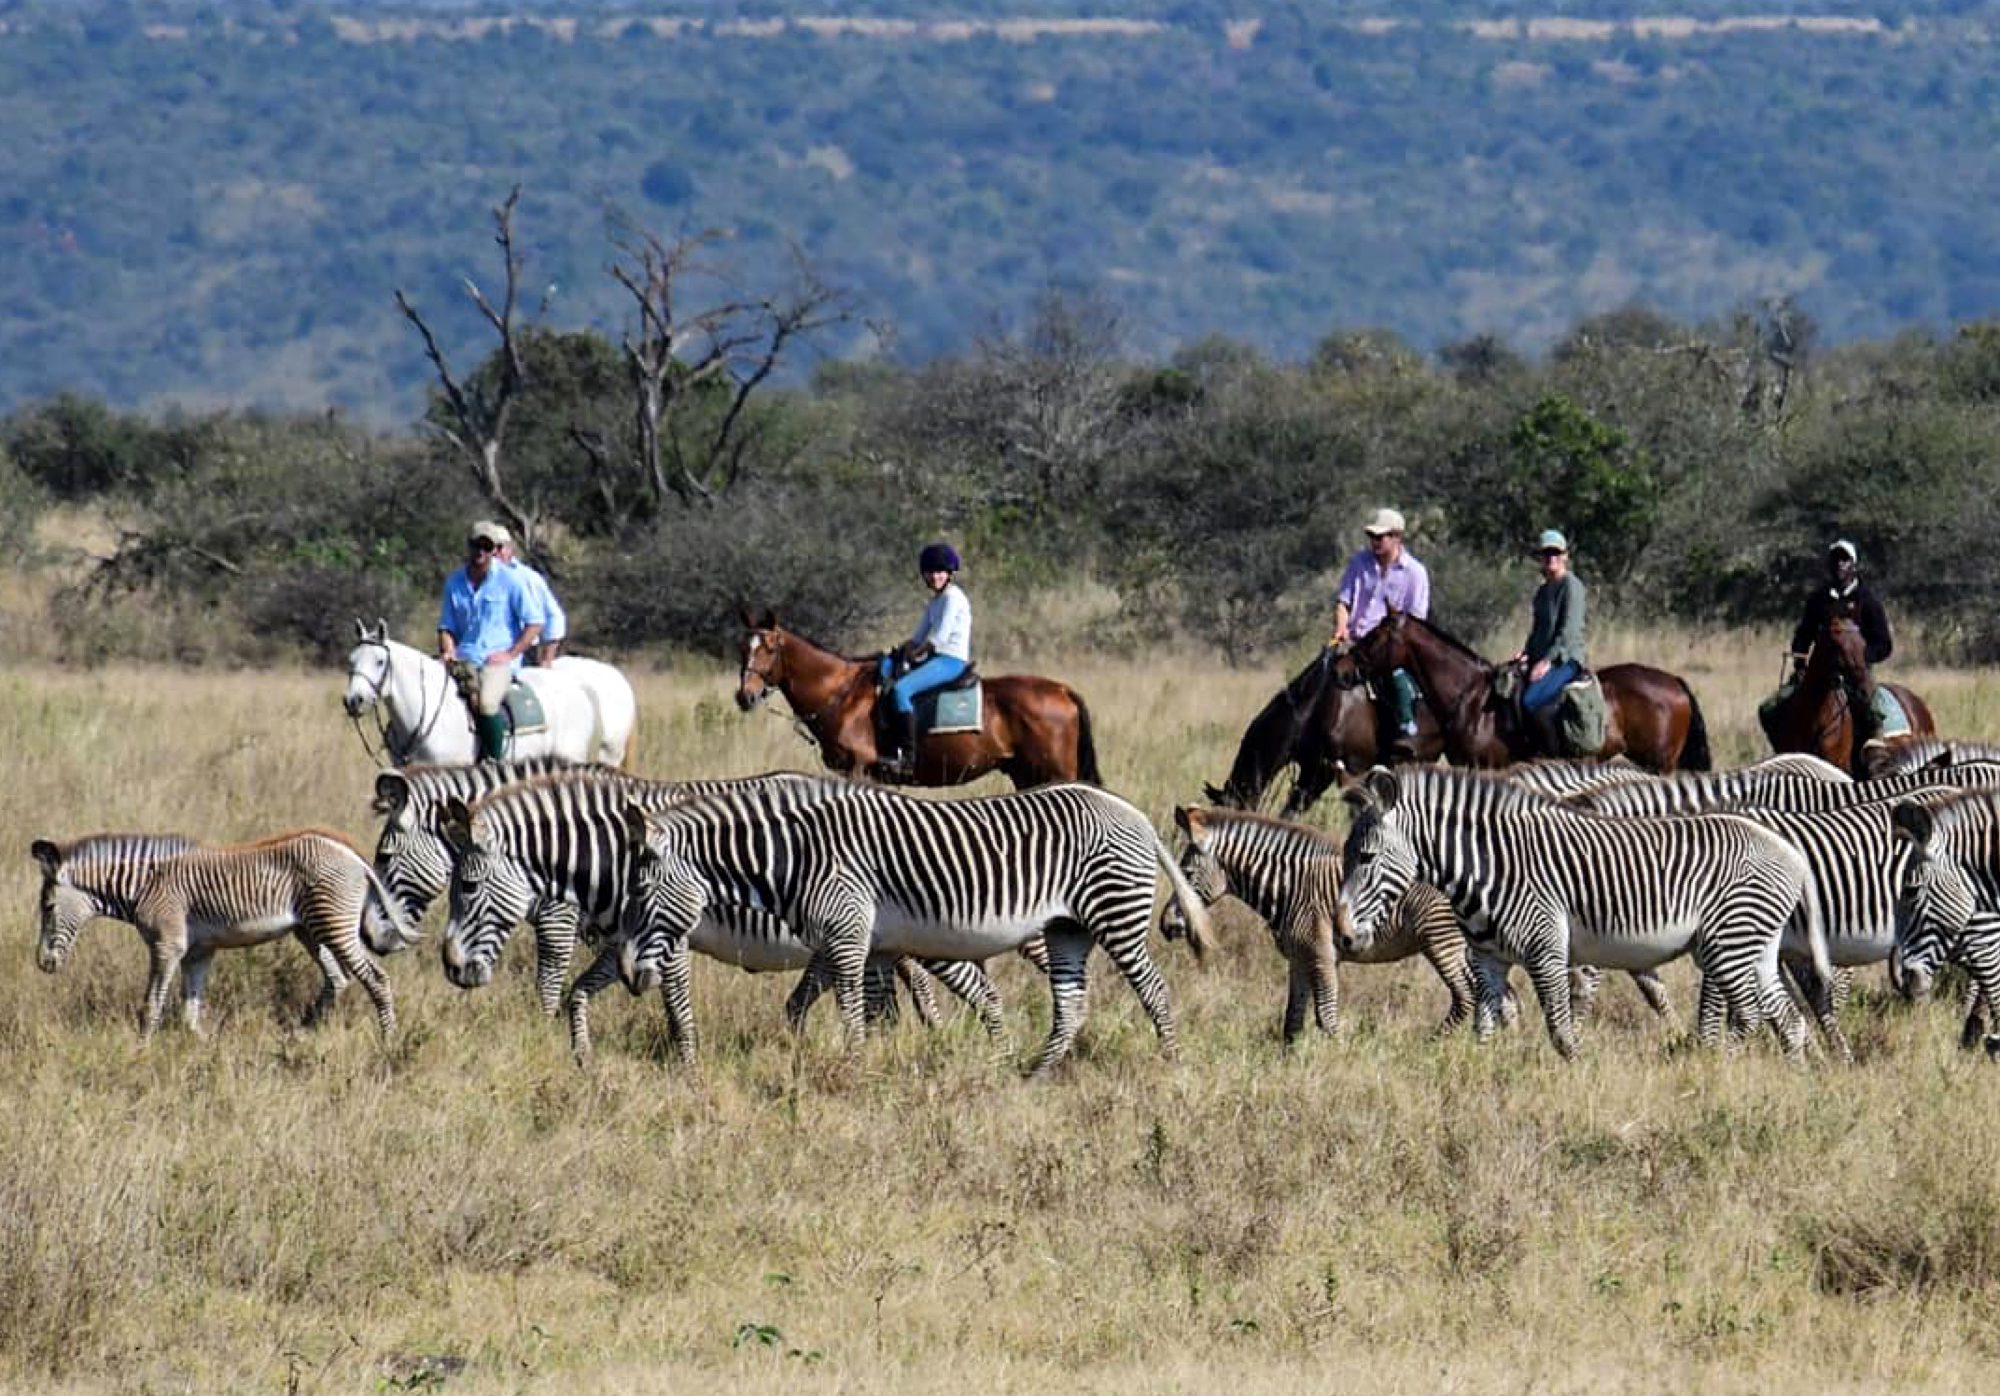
(1558, 631)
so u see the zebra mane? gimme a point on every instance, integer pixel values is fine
(1228, 822)
(93, 849)
(1969, 810)
(310, 831)
(1485, 793)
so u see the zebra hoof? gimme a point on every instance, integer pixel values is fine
(1992, 1045)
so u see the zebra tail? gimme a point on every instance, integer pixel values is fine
(381, 903)
(1086, 745)
(1822, 959)
(1193, 912)
(1695, 755)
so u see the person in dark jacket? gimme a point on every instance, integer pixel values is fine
(1554, 653)
(1845, 591)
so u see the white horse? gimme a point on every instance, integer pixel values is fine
(588, 705)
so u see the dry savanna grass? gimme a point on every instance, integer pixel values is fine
(275, 1210)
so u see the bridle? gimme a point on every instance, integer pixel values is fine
(805, 724)
(385, 744)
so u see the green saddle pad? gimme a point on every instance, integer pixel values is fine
(523, 707)
(952, 710)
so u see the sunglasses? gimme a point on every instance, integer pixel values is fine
(1551, 552)
(482, 546)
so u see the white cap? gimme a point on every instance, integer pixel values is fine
(1385, 521)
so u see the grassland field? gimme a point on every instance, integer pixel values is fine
(465, 1210)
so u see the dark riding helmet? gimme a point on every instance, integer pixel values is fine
(937, 557)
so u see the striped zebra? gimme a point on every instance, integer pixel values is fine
(1538, 883)
(1898, 758)
(967, 879)
(1752, 787)
(188, 901)
(1856, 859)
(1565, 776)
(1290, 876)
(1948, 904)
(562, 837)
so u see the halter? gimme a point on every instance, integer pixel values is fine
(385, 741)
(804, 725)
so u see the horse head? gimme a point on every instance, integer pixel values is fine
(1847, 648)
(1384, 649)
(368, 667)
(763, 659)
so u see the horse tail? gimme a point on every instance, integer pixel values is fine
(1086, 745)
(1695, 755)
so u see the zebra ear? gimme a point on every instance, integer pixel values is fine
(456, 822)
(1192, 822)
(638, 828)
(48, 855)
(1382, 786)
(1913, 822)
(392, 792)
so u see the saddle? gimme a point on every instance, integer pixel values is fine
(957, 706)
(522, 707)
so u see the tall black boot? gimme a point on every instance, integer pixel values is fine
(905, 725)
(1543, 723)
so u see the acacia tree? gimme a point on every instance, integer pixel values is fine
(476, 414)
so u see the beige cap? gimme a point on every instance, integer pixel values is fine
(492, 532)
(1385, 521)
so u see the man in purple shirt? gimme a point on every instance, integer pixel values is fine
(1381, 576)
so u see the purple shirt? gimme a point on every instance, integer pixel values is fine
(1368, 592)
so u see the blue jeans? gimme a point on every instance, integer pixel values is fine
(935, 672)
(1549, 687)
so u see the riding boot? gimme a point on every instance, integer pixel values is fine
(904, 762)
(492, 736)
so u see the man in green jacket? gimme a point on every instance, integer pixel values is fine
(1555, 650)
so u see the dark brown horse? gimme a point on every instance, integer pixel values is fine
(1032, 730)
(1651, 716)
(1819, 715)
(1325, 723)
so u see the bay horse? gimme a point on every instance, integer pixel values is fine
(1032, 730)
(1651, 716)
(1325, 723)
(1819, 718)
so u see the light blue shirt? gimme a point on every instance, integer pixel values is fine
(555, 623)
(490, 617)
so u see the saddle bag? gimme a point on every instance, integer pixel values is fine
(1580, 715)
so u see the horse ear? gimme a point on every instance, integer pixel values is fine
(743, 613)
(360, 630)
(1913, 822)
(1383, 786)
(392, 792)
(1214, 794)
(381, 628)
(456, 821)
(1943, 760)
(769, 620)
(48, 855)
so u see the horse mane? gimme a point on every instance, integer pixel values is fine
(811, 643)
(1450, 639)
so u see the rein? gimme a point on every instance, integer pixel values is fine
(385, 743)
(807, 725)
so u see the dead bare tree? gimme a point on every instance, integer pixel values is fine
(714, 358)
(479, 413)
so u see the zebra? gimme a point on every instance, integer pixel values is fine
(1898, 758)
(1787, 791)
(561, 837)
(1538, 883)
(1561, 777)
(188, 900)
(1948, 904)
(415, 861)
(864, 866)
(1856, 859)
(1290, 876)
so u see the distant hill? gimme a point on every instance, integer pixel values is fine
(215, 205)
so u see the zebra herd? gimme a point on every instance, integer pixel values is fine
(1781, 870)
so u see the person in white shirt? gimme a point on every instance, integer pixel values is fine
(555, 629)
(939, 652)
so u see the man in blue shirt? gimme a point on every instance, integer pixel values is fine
(487, 622)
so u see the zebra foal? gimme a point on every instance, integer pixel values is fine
(861, 867)
(1537, 883)
(1290, 876)
(188, 900)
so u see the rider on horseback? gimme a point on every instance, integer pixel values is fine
(1379, 578)
(488, 620)
(1845, 593)
(555, 626)
(1555, 648)
(939, 652)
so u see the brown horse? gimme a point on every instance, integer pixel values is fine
(1819, 717)
(1032, 730)
(1651, 716)
(1326, 723)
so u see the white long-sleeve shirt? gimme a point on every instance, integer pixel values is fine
(947, 624)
